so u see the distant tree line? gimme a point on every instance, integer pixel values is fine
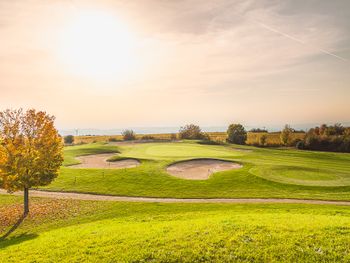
(324, 138)
(335, 138)
(257, 130)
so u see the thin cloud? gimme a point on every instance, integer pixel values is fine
(298, 40)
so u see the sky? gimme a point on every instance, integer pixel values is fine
(141, 63)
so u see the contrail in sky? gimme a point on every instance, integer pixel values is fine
(261, 24)
(298, 40)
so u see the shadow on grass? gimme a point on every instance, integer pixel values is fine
(16, 240)
(5, 241)
(13, 228)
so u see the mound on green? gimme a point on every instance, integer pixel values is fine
(85, 231)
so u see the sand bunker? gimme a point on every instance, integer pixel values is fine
(200, 169)
(100, 161)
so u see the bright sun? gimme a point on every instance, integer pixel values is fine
(97, 44)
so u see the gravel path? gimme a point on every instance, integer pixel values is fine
(93, 197)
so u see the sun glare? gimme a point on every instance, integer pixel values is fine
(97, 44)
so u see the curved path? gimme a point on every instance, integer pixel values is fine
(95, 197)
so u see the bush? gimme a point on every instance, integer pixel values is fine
(286, 135)
(300, 145)
(236, 134)
(328, 138)
(210, 142)
(173, 137)
(112, 139)
(69, 139)
(263, 140)
(128, 135)
(191, 132)
(147, 137)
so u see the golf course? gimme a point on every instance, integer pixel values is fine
(188, 219)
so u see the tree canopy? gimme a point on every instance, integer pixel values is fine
(30, 149)
(191, 132)
(236, 134)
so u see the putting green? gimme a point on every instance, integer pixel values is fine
(178, 151)
(303, 176)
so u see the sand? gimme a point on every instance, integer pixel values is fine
(99, 161)
(200, 169)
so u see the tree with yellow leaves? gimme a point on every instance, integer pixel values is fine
(30, 151)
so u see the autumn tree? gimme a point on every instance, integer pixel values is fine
(286, 135)
(30, 151)
(236, 134)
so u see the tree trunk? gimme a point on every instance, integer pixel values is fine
(26, 201)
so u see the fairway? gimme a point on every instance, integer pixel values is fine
(265, 173)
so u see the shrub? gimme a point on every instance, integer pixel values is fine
(286, 135)
(69, 139)
(236, 134)
(328, 138)
(347, 131)
(128, 135)
(263, 140)
(112, 139)
(191, 132)
(147, 137)
(300, 145)
(173, 137)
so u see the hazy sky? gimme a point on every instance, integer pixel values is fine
(109, 64)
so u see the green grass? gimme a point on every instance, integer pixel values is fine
(266, 173)
(135, 232)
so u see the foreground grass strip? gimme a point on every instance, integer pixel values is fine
(133, 232)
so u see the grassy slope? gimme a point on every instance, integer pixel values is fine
(133, 232)
(266, 173)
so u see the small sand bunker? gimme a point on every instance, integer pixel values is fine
(200, 169)
(99, 161)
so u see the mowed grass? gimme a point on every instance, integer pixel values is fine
(135, 232)
(266, 173)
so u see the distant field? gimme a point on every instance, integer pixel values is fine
(86, 231)
(253, 138)
(106, 138)
(273, 138)
(266, 173)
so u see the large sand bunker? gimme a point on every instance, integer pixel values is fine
(200, 169)
(100, 161)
